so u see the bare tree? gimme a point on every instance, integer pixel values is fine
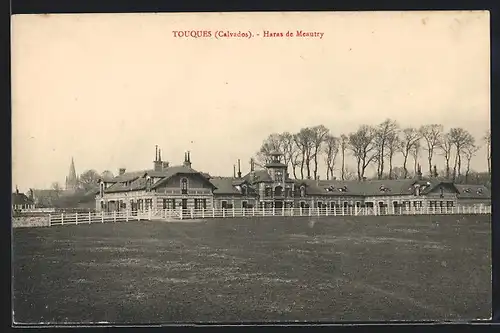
(383, 133)
(432, 136)
(393, 145)
(469, 152)
(487, 141)
(56, 186)
(106, 174)
(344, 142)
(349, 174)
(415, 153)
(304, 141)
(271, 144)
(445, 147)
(460, 138)
(331, 150)
(88, 179)
(411, 137)
(363, 148)
(319, 134)
(290, 151)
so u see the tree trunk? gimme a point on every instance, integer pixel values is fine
(302, 165)
(459, 165)
(390, 166)
(359, 169)
(316, 165)
(455, 166)
(404, 166)
(430, 161)
(343, 164)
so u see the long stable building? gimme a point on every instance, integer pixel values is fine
(181, 186)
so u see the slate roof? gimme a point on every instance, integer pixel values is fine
(473, 192)
(224, 185)
(259, 176)
(358, 188)
(135, 181)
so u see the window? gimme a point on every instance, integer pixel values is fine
(278, 191)
(184, 185)
(279, 176)
(244, 204)
(204, 203)
(196, 204)
(165, 203)
(244, 189)
(302, 191)
(449, 204)
(173, 203)
(320, 204)
(223, 204)
(101, 190)
(267, 192)
(358, 204)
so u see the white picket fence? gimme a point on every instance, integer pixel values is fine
(180, 214)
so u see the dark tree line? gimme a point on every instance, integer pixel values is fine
(378, 146)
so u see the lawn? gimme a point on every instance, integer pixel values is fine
(255, 269)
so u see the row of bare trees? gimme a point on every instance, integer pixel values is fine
(376, 146)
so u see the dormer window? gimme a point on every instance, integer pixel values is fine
(244, 190)
(343, 189)
(302, 191)
(382, 188)
(184, 186)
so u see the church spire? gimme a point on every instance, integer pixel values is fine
(71, 180)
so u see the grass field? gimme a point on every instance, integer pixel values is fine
(267, 269)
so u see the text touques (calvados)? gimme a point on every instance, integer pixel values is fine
(220, 34)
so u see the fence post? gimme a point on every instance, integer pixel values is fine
(50, 220)
(62, 218)
(300, 210)
(102, 216)
(233, 211)
(126, 215)
(274, 210)
(114, 216)
(326, 211)
(335, 210)
(90, 217)
(223, 212)
(76, 218)
(192, 213)
(203, 213)
(253, 211)
(213, 211)
(310, 211)
(263, 211)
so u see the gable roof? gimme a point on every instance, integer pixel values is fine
(136, 181)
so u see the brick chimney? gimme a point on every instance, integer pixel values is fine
(239, 168)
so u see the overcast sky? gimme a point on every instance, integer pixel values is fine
(106, 88)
